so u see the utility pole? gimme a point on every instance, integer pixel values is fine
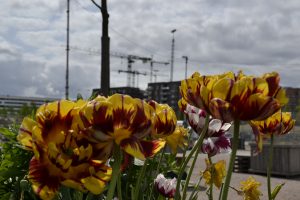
(67, 51)
(172, 55)
(186, 62)
(105, 76)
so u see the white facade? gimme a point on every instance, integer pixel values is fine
(16, 102)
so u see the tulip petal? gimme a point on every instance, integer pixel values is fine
(133, 148)
(223, 143)
(259, 107)
(64, 107)
(43, 184)
(214, 125)
(221, 110)
(25, 132)
(93, 184)
(74, 184)
(142, 149)
(222, 88)
(281, 97)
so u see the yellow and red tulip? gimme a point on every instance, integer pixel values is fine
(120, 120)
(278, 124)
(234, 97)
(61, 156)
(164, 121)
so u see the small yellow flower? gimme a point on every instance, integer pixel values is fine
(214, 172)
(250, 189)
(178, 139)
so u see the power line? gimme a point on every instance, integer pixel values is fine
(82, 7)
(153, 52)
(97, 52)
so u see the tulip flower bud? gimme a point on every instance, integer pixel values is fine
(166, 187)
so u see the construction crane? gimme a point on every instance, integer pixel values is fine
(151, 67)
(133, 74)
(155, 75)
(130, 60)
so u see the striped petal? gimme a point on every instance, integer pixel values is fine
(258, 107)
(142, 149)
(221, 109)
(43, 184)
(25, 132)
(93, 184)
(164, 121)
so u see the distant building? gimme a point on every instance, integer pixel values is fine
(167, 93)
(16, 103)
(294, 100)
(133, 92)
(12, 108)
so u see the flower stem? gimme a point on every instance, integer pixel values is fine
(157, 169)
(232, 159)
(195, 189)
(119, 188)
(211, 180)
(139, 180)
(187, 159)
(269, 170)
(187, 146)
(115, 172)
(187, 181)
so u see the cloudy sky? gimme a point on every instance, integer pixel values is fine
(217, 35)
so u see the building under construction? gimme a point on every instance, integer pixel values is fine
(166, 93)
(131, 91)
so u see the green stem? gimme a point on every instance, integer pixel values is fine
(157, 169)
(187, 181)
(138, 183)
(160, 159)
(66, 193)
(195, 189)
(232, 159)
(238, 191)
(89, 196)
(161, 197)
(187, 146)
(115, 172)
(184, 164)
(269, 170)
(211, 180)
(128, 180)
(119, 188)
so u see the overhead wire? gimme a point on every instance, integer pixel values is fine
(163, 56)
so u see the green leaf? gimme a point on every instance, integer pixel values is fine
(8, 134)
(5, 196)
(276, 190)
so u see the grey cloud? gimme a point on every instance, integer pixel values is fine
(255, 36)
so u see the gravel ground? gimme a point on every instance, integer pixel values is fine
(290, 191)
